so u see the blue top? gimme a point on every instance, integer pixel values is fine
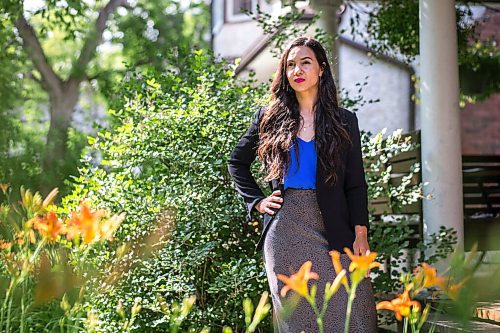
(302, 176)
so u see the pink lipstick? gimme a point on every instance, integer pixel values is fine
(299, 80)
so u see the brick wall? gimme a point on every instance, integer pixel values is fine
(481, 127)
(481, 121)
(489, 25)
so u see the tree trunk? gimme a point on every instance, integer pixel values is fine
(54, 159)
(63, 95)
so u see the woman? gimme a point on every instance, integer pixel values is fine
(311, 151)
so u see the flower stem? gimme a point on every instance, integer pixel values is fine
(350, 301)
(7, 304)
(405, 325)
(319, 315)
(23, 308)
(4, 307)
(61, 324)
(36, 252)
(9, 310)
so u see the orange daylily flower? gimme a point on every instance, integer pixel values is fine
(427, 276)
(362, 262)
(49, 226)
(5, 245)
(4, 187)
(298, 281)
(86, 223)
(338, 267)
(32, 237)
(108, 228)
(20, 235)
(452, 289)
(12, 263)
(401, 305)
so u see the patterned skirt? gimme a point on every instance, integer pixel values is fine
(295, 236)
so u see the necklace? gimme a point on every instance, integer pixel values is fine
(306, 127)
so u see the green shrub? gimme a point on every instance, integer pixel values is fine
(168, 152)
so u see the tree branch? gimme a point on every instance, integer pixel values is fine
(31, 75)
(32, 45)
(94, 39)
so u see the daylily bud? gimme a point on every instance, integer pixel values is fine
(120, 310)
(50, 197)
(64, 304)
(248, 309)
(187, 304)
(136, 308)
(425, 314)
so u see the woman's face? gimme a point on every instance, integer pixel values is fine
(302, 69)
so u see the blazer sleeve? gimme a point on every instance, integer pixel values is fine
(355, 186)
(239, 163)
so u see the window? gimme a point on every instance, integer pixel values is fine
(235, 8)
(241, 5)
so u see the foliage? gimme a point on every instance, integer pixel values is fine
(455, 291)
(137, 34)
(478, 64)
(172, 136)
(359, 268)
(146, 36)
(47, 273)
(423, 282)
(18, 147)
(392, 239)
(43, 261)
(467, 283)
(393, 28)
(298, 283)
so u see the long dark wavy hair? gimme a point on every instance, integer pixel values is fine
(281, 120)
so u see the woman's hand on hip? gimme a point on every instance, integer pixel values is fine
(272, 201)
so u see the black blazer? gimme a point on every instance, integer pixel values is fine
(343, 205)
